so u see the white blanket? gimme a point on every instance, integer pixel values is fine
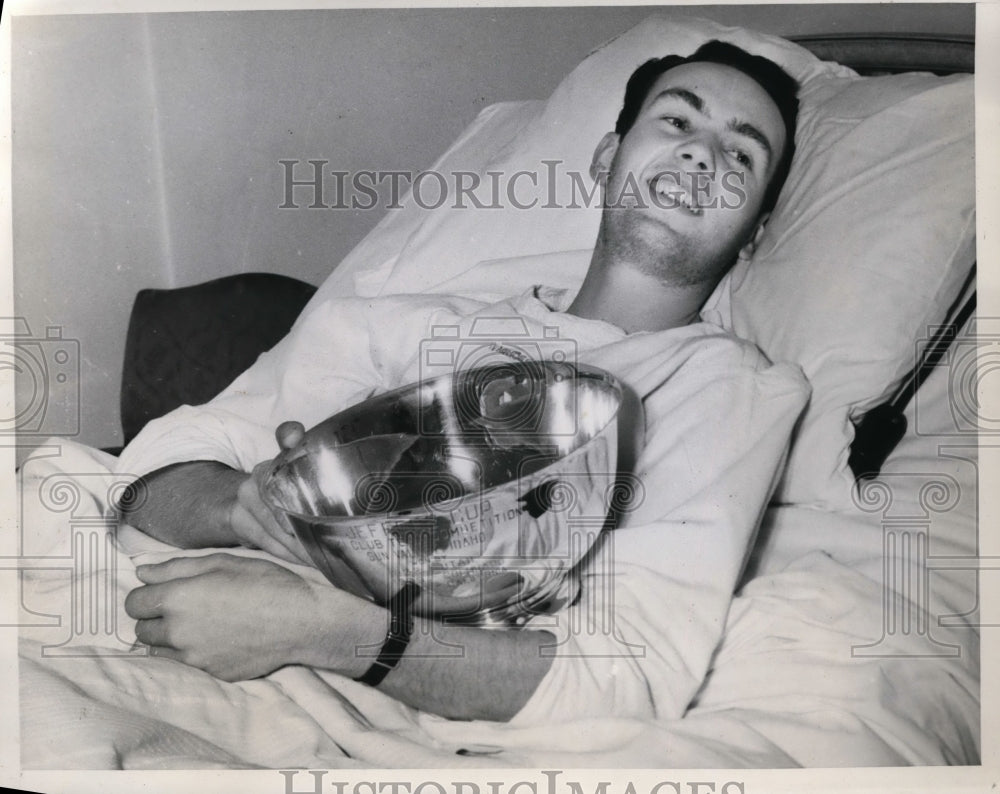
(784, 690)
(785, 687)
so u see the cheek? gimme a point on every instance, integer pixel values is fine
(739, 207)
(637, 150)
(738, 192)
(731, 230)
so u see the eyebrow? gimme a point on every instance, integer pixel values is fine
(743, 128)
(750, 131)
(690, 97)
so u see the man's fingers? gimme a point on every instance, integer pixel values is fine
(145, 603)
(180, 568)
(151, 631)
(251, 532)
(249, 497)
(252, 502)
(166, 652)
(254, 521)
(289, 434)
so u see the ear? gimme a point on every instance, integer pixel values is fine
(600, 163)
(747, 251)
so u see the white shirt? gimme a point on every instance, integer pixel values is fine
(718, 417)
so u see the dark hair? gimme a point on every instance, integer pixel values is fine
(780, 86)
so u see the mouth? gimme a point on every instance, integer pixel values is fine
(667, 193)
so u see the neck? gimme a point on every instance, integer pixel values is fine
(636, 301)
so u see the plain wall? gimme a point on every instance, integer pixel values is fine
(146, 146)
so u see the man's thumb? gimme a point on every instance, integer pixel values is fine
(289, 434)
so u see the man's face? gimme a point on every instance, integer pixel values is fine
(686, 184)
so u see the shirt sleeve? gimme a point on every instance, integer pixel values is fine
(654, 599)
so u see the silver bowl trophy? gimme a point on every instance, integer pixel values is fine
(484, 487)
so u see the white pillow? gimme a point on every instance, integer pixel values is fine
(869, 243)
(869, 246)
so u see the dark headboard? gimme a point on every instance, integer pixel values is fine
(889, 53)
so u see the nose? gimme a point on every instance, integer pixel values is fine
(698, 154)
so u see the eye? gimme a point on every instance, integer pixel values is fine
(676, 121)
(742, 158)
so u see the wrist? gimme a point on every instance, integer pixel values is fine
(346, 632)
(224, 512)
(397, 638)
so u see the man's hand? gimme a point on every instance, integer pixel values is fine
(240, 618)
(253, 523)
(203, 503)
(236, 618)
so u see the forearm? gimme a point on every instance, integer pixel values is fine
(187, 505)
(455, 671)
(240, 618)
(469, 673)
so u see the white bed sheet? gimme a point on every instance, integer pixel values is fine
(789, 685)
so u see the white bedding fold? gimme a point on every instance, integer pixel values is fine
(782, 688)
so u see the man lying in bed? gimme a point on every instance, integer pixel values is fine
(699, 153)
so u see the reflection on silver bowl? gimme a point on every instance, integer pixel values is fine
(485, 487)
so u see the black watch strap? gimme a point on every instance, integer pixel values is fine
(398, 636)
